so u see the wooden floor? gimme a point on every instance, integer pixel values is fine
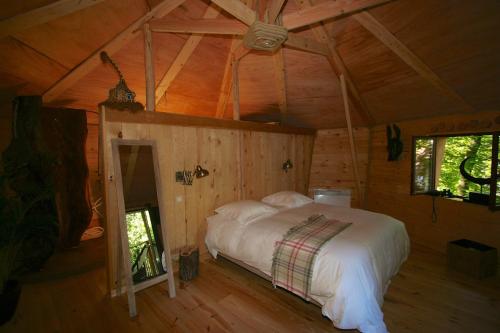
(424, 297)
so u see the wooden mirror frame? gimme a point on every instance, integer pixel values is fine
(124, 246)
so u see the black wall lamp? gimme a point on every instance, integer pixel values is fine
(186, 177)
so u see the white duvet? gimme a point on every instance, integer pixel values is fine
(352, 270)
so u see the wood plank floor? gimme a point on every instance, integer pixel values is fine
(424, 297)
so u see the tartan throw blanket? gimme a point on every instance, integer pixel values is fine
(294, 256)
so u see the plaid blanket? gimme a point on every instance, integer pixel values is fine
(294, 256)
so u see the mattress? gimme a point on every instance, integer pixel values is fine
(352, 270)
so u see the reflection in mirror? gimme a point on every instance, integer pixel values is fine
(141, 212)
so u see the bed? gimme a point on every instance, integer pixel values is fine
(351, 272)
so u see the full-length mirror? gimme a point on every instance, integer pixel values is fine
(146, 258)
(141, 212)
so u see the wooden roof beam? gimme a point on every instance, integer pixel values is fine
(275, 7)
(200, 26)
(306, 44)
(280, 75)
(386, 37)
(308, 15)
(183, 56)
(225, 89)
(238, 9)
(43, 15)
(337, 64)
(110, 47)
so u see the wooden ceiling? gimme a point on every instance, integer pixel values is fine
(405, 59)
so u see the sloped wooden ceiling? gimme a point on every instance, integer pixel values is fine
(457, 41)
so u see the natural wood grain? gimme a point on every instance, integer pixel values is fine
(423, 297)
(337, 63)
(306, 44)
(163, 118)
(110, 47)
(235, 89)
(386, 37)
(280, 74)
(326, 10)
(183, 56)
(238, 9)
(275, 7)
(352, 147)
(149, 69)
(200, 26)
(332, 165)
(220, 149)
(43, 14)
(225, 87)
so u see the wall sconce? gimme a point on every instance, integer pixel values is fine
(186, 177)
(287, 165)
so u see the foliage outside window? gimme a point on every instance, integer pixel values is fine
(437, 161)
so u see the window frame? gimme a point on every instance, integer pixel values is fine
(494, 164)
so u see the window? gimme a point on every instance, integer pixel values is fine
(458, 167)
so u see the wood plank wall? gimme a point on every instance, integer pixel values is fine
(332, 165)
(389, 186)
(216, 149)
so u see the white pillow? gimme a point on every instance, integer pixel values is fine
(287, 199)
(245, 211)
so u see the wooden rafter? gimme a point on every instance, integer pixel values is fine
(225, 88)
(199, 26)
(149, 68)
(337, 64)
(183, 56)
(238, 9)
(275, 7)
(235, 88)
(352, 146)
(306, 44)
(313, 14)
(42, 15)
(279, 66)
(110, 47)
(386, 37)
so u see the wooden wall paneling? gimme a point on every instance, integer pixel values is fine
(388, 189)
(191, 148)
(332, 163)
(183, 147)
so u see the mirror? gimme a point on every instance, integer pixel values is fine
(145, 251)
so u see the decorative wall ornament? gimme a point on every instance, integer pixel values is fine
(120, 97)
(394, 144)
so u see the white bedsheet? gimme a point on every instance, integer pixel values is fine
(352, 270)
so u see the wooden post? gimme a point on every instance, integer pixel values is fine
(351, 137)
(149, 67)
(236, 90)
